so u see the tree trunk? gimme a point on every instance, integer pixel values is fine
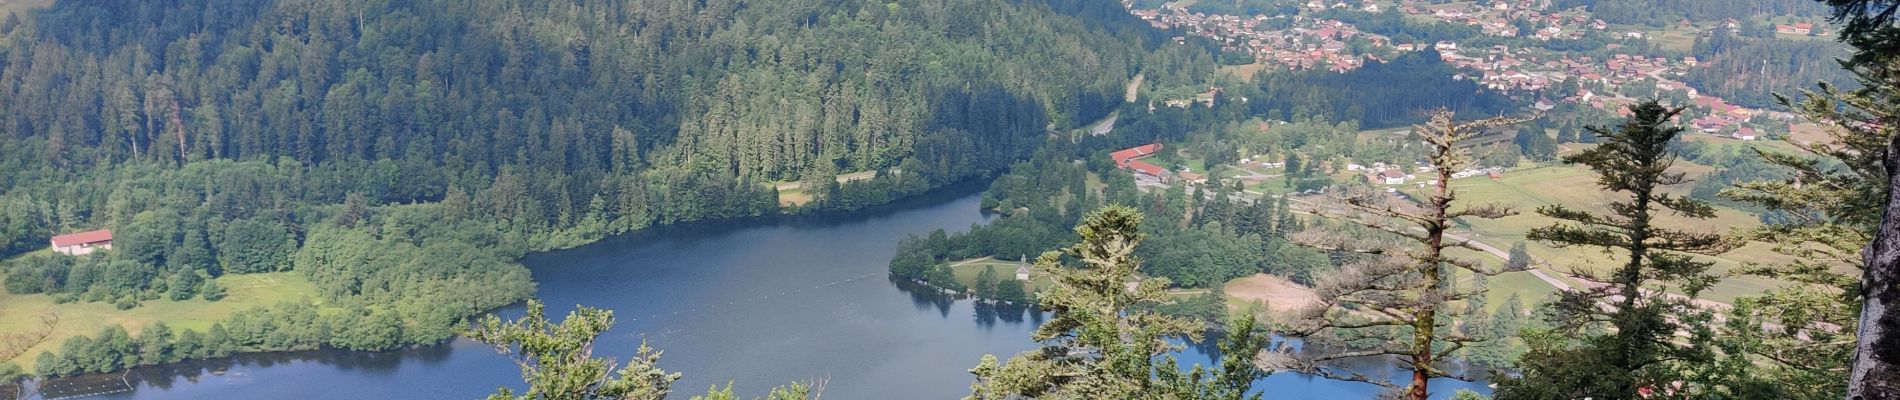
(1876, 372)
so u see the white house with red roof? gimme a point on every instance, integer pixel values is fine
(83, 243)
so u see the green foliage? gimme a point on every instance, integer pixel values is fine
(1827, 210)
(1751, 71)
(212, 291)
(1400, 289)
(1098, 344)
(1204, 256)
(557, 360)
(1380, 94)
(1533, 143)
(256, 245)
(239, 149)
(11, 374)
(1641, 351)
(1519, 258)
(795, 391)
(986, 283)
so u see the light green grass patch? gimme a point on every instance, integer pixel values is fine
(1574, 186)
(966, 273)
(20, 313)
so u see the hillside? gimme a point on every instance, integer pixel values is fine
(410, 150)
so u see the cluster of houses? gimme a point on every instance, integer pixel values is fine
(1502, 68)
(1492, 172)
(1724, 118)
(1499, 18)
(1308, 44)
(1313, 43)
(1383, 174)
(1380, 173)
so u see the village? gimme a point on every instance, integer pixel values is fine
(1544, 78)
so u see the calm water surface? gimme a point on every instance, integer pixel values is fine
(758, 303)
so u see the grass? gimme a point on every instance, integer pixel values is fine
(1576, 187)
(966, 273)
(793, 197)
(1168, 158)
(14, 6)
(1674, 37)
(1244, 72)
(18, 313)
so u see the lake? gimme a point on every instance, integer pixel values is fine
(757, 303)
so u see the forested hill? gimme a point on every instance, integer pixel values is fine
(400, 154)
(456, 91)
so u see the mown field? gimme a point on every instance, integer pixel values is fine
(1576, 187)
(20, 313)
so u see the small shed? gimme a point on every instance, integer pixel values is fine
(82, 243)
(1022, 273)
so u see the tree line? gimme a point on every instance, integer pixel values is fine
(401, 155)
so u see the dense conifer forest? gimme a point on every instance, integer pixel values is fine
(413, 150)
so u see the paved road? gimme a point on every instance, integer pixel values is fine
(1107, 125)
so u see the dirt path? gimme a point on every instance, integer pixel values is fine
(970, 261)
(1134, 88)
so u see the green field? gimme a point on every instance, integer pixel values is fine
(966, 273)
(19, 313)
(1529, 188)
(13, 6)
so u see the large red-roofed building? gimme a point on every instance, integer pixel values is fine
(1123, 156)
(1130, 159)
(82, 243)
(1146, 168)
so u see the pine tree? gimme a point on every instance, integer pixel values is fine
(1633, 160)
(1520, 258)
(212, 291)
(557, 360)
(1408, 282)
(1833, 201)
(1871, 115)
(1098, 345)
(985, 287)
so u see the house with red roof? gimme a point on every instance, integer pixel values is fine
(1130, 159)
(1143, 167)
(82, 243)
(1123, 156)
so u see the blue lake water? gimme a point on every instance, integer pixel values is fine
(756, 303)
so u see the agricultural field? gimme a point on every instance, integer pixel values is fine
(1530, 188)
(21, 313)
(8, 7)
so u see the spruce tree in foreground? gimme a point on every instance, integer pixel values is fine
(1405, 287)
(557, 361)
(1627, 324)
(1827, 210)
(1099, 345)
(1872, 114)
